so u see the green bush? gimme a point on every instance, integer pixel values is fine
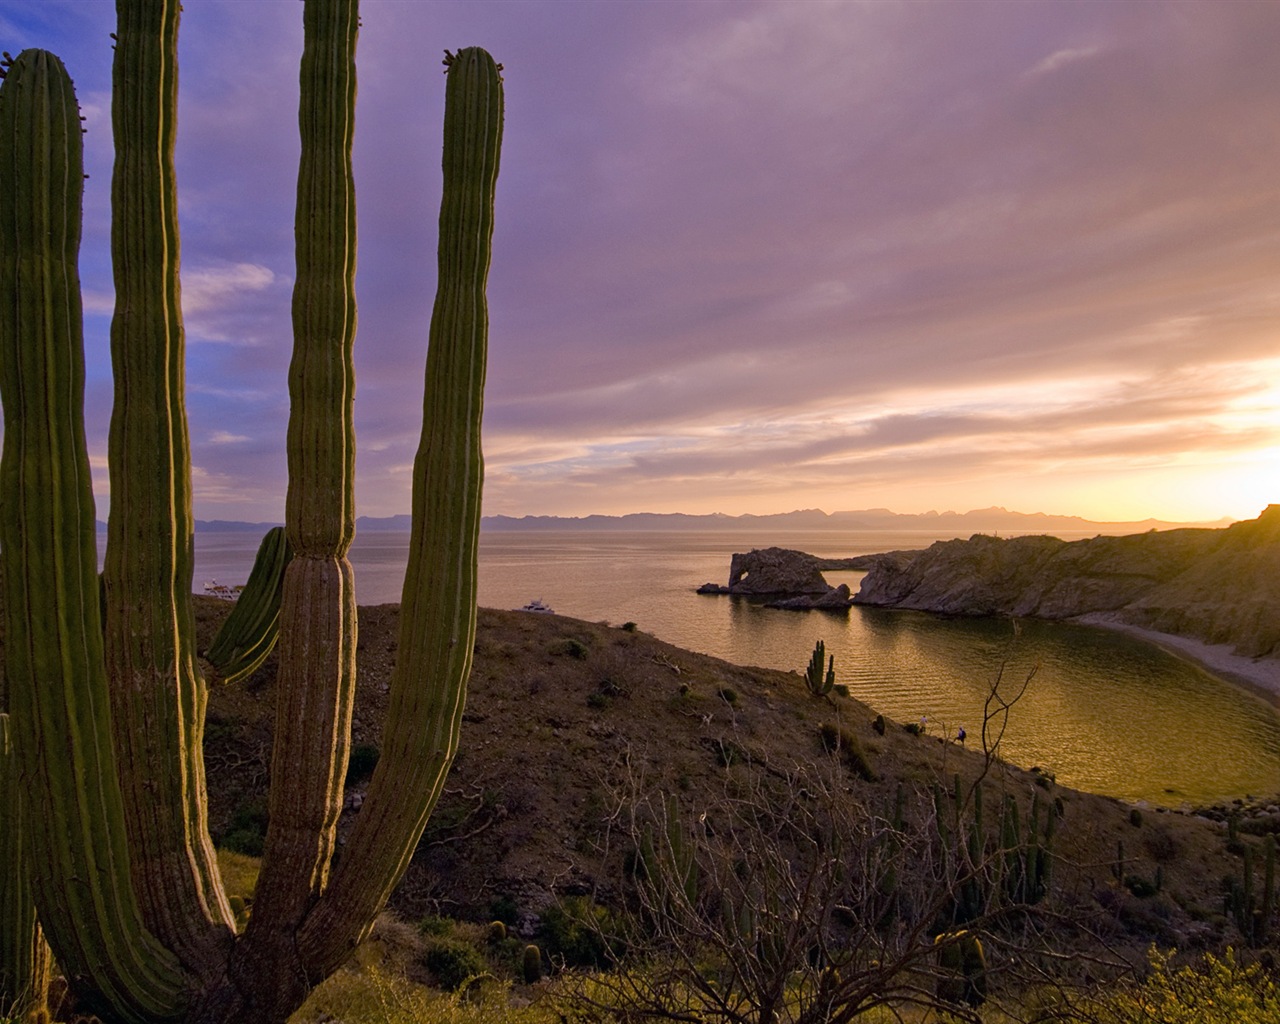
(505, 909)
(1213, 992)
(573, 648)
(436, 927)
(247, 830)
(582, 933)
(845, 743)
(453, 962)
(361, 763)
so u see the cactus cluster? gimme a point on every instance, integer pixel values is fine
(104, 696)
(1027, 862)
(667, 855)
(1012, 867)
(1253, 910)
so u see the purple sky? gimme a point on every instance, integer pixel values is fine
(752, 257)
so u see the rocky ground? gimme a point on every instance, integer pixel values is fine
(564, 715)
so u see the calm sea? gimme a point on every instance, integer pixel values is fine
(1105, 712)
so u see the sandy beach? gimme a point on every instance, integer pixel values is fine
(1262, 675)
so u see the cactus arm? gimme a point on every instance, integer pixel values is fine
(158, 695)
(316, 682)
(250, 632)
(54, 667)
(437, 624)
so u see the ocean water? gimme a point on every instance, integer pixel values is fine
(1106, 713)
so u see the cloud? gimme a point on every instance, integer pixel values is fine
(1062, 58)
(225, 302)
(749, 250)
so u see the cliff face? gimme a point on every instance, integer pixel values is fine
(1219, 586)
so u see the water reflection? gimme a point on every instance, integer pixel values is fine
(1104, 711)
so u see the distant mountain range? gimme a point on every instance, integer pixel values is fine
(984, 520)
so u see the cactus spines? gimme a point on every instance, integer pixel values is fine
(250, 631)
(820, 684)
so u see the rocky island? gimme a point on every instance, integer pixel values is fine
(788, 579)
(1218, 591)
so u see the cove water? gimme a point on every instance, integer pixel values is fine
(1105, 712)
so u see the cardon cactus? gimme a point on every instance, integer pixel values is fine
(820, 684)
(108, 716)
(250, 632)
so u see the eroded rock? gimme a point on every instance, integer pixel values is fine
(768, 571)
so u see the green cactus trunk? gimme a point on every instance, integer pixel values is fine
(24, 956)
(54, 663)
(820, 684)
(316, 681)
(24, 959)
(438, 609)
(158, 696)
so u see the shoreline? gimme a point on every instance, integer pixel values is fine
(1260, 676)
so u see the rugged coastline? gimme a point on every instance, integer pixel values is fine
(1210, 595)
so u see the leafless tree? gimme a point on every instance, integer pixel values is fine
(792, 897)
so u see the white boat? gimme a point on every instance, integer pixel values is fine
(538, 605)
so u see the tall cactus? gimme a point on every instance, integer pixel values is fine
(54, 662)
(121, 862)
(158, 695)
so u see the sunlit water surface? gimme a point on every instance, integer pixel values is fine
(1105, 712)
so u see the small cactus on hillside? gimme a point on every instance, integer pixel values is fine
(531, 964)
(820, 684)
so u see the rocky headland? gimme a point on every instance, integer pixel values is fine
(1215, 594)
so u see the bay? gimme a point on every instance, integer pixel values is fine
(1105, 712)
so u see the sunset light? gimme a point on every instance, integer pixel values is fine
(964, 256)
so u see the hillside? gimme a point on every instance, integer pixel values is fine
(1215, 586)
(567, 720)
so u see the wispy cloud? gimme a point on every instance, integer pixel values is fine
(1061, 58)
